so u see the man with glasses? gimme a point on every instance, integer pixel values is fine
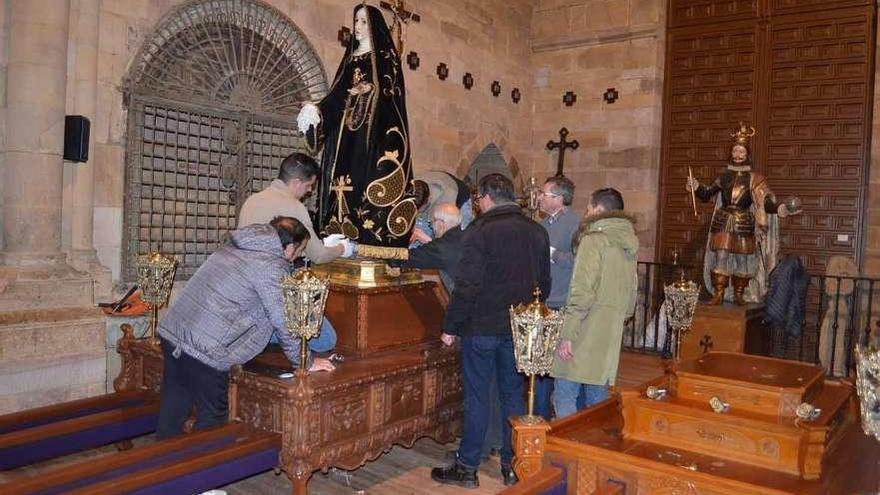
(561, 223)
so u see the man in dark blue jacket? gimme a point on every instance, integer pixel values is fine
(505, 255)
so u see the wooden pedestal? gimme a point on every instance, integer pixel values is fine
(529, 441)
(379, 319)
(727, 327)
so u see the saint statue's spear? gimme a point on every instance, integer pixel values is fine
(693, 192)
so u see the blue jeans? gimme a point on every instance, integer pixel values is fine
(325, 341)
(565, 397)
(493, 428)
(543, 391)
(481, 357)
(188, 383)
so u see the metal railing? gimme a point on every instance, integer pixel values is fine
(840, 312)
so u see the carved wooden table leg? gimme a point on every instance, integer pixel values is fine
(300, 486)
(126, 378)
(529, 441)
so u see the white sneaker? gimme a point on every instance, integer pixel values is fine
(214, 492)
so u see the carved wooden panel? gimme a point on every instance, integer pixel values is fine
(803, 77)
(818, 127)
(689, 12)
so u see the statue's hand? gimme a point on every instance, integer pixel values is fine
(692, 184)
(309, 115)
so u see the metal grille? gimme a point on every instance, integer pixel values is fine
(212, 99)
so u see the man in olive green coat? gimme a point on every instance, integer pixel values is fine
(602, 296)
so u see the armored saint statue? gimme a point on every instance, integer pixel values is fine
(742, 246)
(366, 186)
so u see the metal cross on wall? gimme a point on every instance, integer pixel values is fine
(561, 145)
(401, 17)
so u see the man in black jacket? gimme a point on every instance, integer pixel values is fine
(505, 255)
(444, 251)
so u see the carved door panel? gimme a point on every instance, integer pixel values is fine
(818, 128)
(710, 82)
(803, 77)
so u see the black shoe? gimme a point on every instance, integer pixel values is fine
(508, 476)
(456, 474)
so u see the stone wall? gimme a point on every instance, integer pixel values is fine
(449, 125)
(4, 60)
(588, 46)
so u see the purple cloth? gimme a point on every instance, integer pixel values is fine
(169, 458)
(71, 415)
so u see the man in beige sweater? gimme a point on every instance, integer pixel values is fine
(296, 178)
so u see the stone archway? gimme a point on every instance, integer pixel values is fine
(489, 159)
(212, 98)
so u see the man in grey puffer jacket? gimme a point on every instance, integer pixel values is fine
(224, 317)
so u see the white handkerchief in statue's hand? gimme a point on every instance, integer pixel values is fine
(308, 116)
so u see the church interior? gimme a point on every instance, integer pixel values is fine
(135, 127)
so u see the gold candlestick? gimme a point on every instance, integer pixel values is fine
(681, 302)
(155, 274)
(305, 296)
(536, 330)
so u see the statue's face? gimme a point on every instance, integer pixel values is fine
(361, 27)
(739, 154)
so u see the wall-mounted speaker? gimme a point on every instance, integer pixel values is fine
(76, 138)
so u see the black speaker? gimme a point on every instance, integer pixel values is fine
(76, 138)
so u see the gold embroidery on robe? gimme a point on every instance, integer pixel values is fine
(359, 102)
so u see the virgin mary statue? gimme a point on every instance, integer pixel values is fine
(365, 191)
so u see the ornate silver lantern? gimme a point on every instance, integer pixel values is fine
(305, 296)
(155, 276)
(536, 331)
(868, 387)
(681, 302)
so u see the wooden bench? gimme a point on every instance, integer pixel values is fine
(44, 433)
(190, 463)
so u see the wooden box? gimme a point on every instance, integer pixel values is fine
(759, 428)
(761, 385)
(377, 319)
(727, 327)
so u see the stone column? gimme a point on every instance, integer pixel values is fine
(79, 177)
(35, 105)
(33, 271)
